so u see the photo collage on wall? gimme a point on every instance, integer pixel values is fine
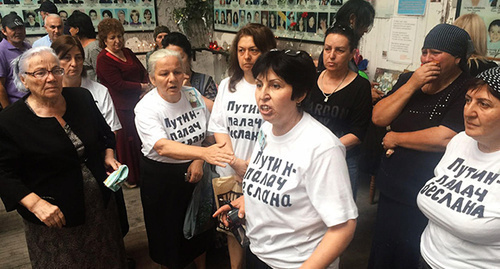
(489, 10)
(135, 15)
(296, 19)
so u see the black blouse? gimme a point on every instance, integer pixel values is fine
(37, 156)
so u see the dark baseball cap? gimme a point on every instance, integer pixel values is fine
(48, 7)
(12, 20)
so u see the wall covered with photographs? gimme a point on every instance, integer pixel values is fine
(489, 10)
(295, 19)
(136, 15)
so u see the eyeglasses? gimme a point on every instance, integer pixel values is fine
(43, 73)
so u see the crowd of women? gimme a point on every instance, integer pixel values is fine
(288, 133)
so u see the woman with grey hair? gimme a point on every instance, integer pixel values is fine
(56, 148)
(171, 121)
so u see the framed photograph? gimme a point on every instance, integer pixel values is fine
(489, 10)
(305, 20)
(135, 15)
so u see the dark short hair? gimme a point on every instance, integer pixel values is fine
(294, 67)
(361, 9)
(494, 23)
(63, 44)
(474, 84)
(107, 26)
(264, 40)
(83, 22)
(180, 40)
(107, 12)
(160, 29)
(349, 33)
(135, 11)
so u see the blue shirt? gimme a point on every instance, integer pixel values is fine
(44, 41)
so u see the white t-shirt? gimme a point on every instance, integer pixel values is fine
(104, 102)
(237, 115)
(295, 189)
(155, 118)
(462, 203)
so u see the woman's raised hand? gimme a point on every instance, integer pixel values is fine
(217, 154)
(238, 203)
(426, 73)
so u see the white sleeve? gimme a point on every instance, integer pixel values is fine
(329, 188)
(218, 122)
(149, 125)
(110, 112)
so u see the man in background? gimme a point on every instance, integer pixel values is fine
(54, 27)
(11, 46)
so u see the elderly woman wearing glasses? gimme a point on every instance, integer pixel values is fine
(55, 148)
(296, 200)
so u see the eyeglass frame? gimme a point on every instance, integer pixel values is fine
(48, 71)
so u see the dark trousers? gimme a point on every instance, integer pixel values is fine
(253, 262)
(396, 240)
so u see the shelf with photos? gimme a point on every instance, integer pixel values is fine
(135, 16)
(305, 20)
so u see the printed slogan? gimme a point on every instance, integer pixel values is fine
(267, 180)
(185, 128)
(463, 189)
(242, 126)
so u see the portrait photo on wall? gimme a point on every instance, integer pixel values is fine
(256, 16)
(311, 22)
(322, 23)
(242, 17)
(106, 13)
(236, 19)
(148, 16)
(249, 16)
(264, 17)
(229, 17)
(301, 22)
(216, 16)
(135, 18)
(272, 19)
(31, 19)
(222, 17)
(281, 20)
(122, 15)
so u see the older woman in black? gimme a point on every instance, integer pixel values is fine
(56, 147)
(424, 111)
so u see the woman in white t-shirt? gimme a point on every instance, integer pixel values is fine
(462, 201)
(297, 199)
(171, 121)
(71, 54)
(235, 119)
